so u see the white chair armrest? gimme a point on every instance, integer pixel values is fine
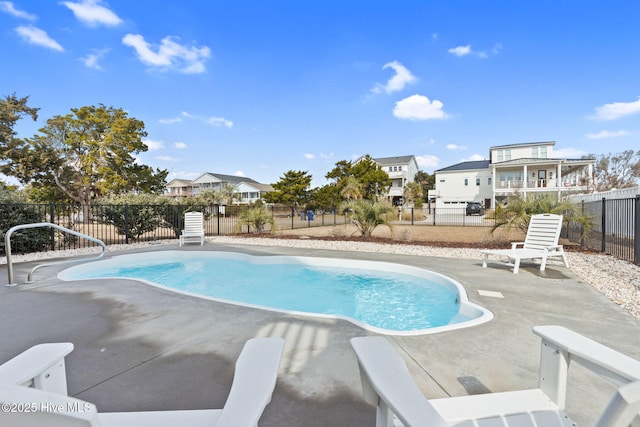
(624, 408)
(253, 382)
(42, 367)
(386, 383)
(561, 346)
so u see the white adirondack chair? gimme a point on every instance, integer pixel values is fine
(26, 385)
(541, 242)
(387, 384)
(193, 228)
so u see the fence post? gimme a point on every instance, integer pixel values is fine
(52, 218)
(434, 215)
(217, 211)
(636, 231)
(582, 230)
(411, 216)
(603, 226)
(293, 214)
(126, 223)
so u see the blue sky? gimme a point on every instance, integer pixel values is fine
(257, 88)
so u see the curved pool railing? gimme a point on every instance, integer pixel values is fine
(7, 245)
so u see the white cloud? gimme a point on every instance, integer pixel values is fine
(154, 145)
(169, 121)
(169, 54)
(239, 173)
(180, 145)
(428, 161)
(8, 7)
(220, 121)
(461, 50)
(309, 156)
(167, 159)
(402, 77)
(454, 147)
(92, 13)
(92, 59)
(617, 110)
(185, 114)
(466, 50)
(419, 107)
(607, 134)
(34, 35)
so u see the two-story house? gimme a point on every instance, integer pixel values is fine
(401, 170)
(528, 168)
(246, 189)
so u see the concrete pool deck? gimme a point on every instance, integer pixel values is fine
(138, 347)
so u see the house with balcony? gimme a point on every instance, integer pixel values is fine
(527, 168)
(247, 190)
(401, 170)
(179, 188)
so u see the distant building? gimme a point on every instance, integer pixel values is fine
(401, 170)
(247, 190)
(528, 168)
(179, 188)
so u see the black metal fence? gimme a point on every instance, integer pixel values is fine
(616, 228)
(616, 223)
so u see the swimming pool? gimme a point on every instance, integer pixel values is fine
(383, 297)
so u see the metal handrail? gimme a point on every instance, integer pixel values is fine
(7, 246)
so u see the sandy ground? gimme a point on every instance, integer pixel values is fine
(418, 233)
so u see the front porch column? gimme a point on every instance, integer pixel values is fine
(525, 184)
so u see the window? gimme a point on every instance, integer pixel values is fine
(400, 168)
(543, 152)
(478, 181)
(442, 180)
(500, 154)
(466, 182)
(507, 154)
(390, 168)
(534, 152)
(489, 181)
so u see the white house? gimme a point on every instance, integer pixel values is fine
(401, 170)
(247, 190)
(180, 188)
(527, 168)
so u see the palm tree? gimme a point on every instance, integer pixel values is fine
(366, 215)
(351, 188)
(517, 212)
(257, 217)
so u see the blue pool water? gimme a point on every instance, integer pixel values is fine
(383, 296)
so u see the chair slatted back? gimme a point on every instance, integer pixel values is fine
(193, 222)
(544, 231)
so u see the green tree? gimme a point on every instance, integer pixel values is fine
(351, 188)
(326, 197)
(372, 180)
(87, 154)
(517, 212)
(291, 190)
(12, 109)
(427, 182)
(257, 217)
(620, 170)
(367, 215)
(224, 194)
(412, 194)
